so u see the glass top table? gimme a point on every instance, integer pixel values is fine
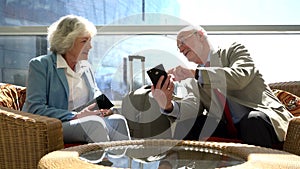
(168, 154)
(153, 157)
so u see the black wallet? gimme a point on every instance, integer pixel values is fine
(102, 103)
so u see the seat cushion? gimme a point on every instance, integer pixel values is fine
(12, 96)
(289, 100)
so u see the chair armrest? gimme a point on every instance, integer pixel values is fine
(291, 86)
(292, 142)
(25, 138)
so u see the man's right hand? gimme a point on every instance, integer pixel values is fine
(180, 73)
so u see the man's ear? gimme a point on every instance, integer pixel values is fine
(200, 33)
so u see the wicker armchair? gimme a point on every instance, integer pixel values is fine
(292, 143)
(25, 138)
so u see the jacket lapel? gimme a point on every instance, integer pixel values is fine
(215, 60)
(89, 79)
(61, 74)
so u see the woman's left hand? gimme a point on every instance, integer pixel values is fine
(105, 112)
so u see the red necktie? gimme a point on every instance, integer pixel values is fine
(230, 125)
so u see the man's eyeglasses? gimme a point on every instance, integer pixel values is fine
(182, 40)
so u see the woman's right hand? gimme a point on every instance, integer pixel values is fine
(88, 111)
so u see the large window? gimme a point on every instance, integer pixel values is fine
(269, 29)
(103, 12)
(240, 12)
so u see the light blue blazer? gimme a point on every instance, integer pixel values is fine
(48, 90)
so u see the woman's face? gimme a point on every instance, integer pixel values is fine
(81, 48)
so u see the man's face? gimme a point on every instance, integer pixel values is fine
(190, 45)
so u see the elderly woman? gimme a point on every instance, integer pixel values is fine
(63, 80)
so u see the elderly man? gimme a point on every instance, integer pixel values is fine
(230, 89)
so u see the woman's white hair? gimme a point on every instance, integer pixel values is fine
(63, 32)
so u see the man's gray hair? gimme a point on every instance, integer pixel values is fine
(194, 28)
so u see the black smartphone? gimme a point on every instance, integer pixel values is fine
(102, 103)
(156, 72)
